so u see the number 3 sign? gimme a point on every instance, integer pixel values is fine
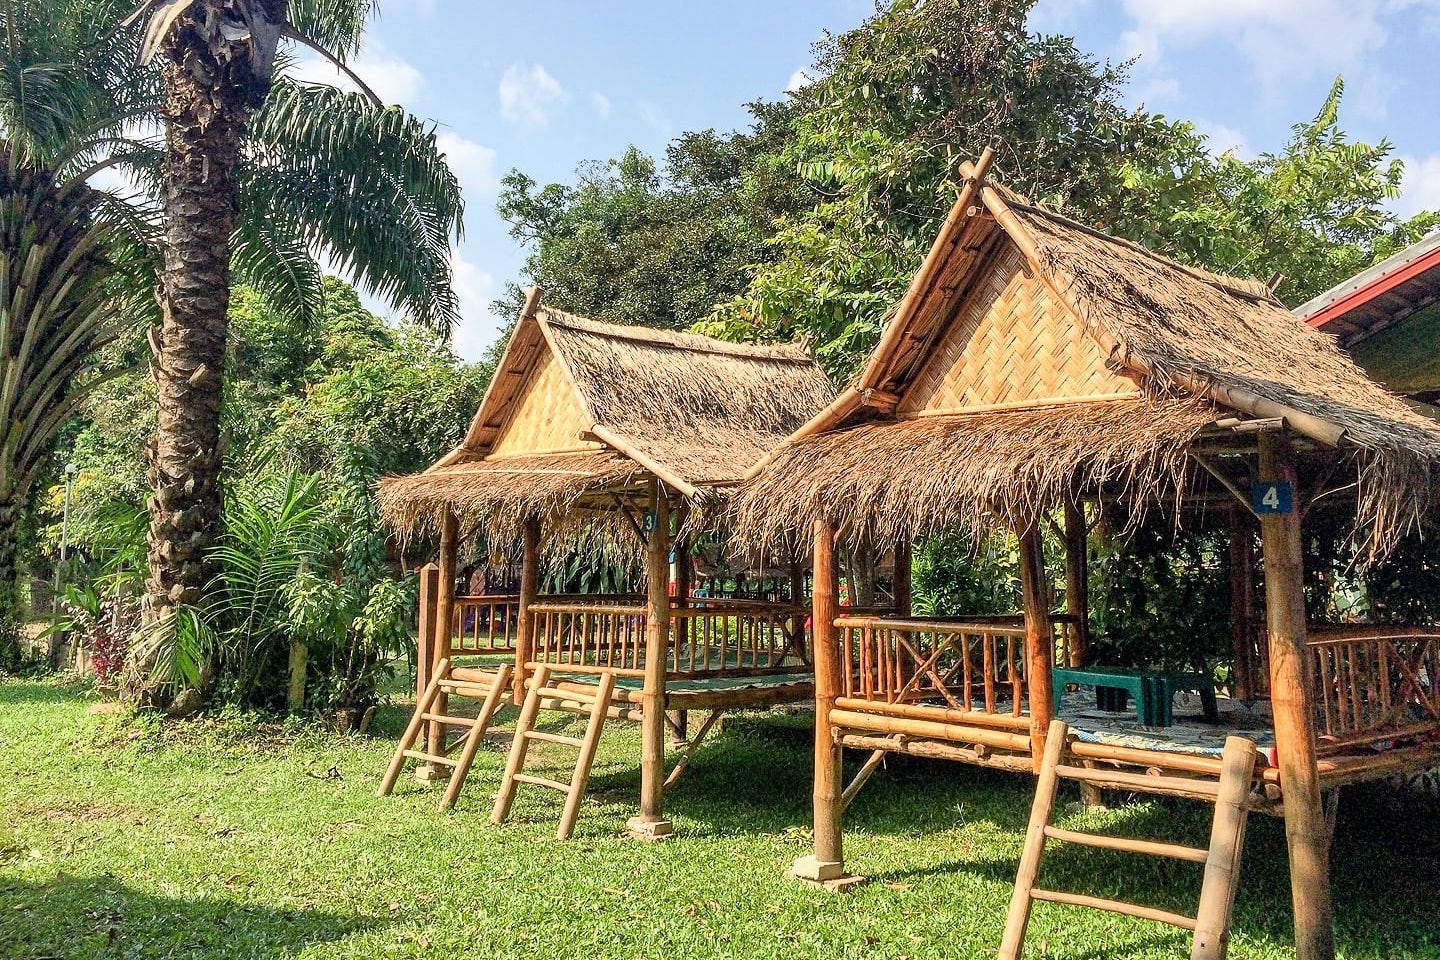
(1277, 497)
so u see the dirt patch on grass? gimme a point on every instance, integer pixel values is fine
(77, 812)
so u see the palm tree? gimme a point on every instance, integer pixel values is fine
(257, 177)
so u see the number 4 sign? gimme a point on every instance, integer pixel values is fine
(1277, 497)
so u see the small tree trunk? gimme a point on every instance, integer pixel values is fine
(299, 661)
(11, 649)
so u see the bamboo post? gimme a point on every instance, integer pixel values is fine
(651, 823)
(1039, 641)
(525, 627)
(1077, 584)
(441, 637)
(901, 584)
(680, 719)
(1306, 832)
(827, 864)
(425, 628)
(1242, 603)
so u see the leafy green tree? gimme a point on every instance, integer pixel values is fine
(1311, 215)
(634, 242)
(900, 104)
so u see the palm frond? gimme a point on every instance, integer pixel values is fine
(336, 25)
(366, 185)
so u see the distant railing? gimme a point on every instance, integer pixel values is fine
(736, 638)
(590, 638)
(1375, 683)
(484, 625)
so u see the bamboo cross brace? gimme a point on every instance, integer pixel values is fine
(928, 668)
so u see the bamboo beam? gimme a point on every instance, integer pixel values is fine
(425, 628)
(828, 861)
(632, 450)
(651, 823)
(1306, 832)
(525, 625)
(1039, 641)
(1077, 583)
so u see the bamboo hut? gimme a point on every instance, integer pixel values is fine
(632, 436)
(1035, 369)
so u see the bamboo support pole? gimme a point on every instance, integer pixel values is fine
(524, 621)
(828, 861)
(1039, 640)
(651, 823)
(1077, 583)
(1306, 833)
(1242, 603)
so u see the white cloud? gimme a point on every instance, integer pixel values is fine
(473, 164)
(527, 94)
(1421, 190)
(394, 80)
(800, 78)
(1281, 40)
(475, 288)
(600, 102)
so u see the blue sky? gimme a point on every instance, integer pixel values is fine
(547, 85)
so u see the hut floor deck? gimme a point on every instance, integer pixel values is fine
(689, 693)
(1190, 733)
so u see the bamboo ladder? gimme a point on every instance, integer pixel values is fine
(539, 694)
(1211, 924)
(492, 696)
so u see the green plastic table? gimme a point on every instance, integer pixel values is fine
(1153, 690)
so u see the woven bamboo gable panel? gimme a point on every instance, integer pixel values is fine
(1009, 343)
(547, 416)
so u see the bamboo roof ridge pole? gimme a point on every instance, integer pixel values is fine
(1306, 832)
(1039, 640)
(442, 636)
(827, 864)
(525, 622)
(651, 823)
(1077, 583)
(929, 272)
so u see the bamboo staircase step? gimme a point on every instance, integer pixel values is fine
(1221, 861)
(541, 694)
(432, 710)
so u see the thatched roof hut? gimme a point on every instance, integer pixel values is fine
(581, 416)
(1035, 360)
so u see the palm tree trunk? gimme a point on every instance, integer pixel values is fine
(210, 90)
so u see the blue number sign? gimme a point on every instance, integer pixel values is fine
(1277, 497)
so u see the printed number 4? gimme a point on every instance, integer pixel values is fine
(1271, 498)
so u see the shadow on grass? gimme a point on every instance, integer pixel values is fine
(77, 917)
(17, 692)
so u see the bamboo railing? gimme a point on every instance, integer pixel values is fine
(736, 638)
(590, 637)
(1375, 683)
(969, 666)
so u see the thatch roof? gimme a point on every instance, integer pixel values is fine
(1114, 361)
(580, 415)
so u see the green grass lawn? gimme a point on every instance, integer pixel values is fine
(121, 838)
